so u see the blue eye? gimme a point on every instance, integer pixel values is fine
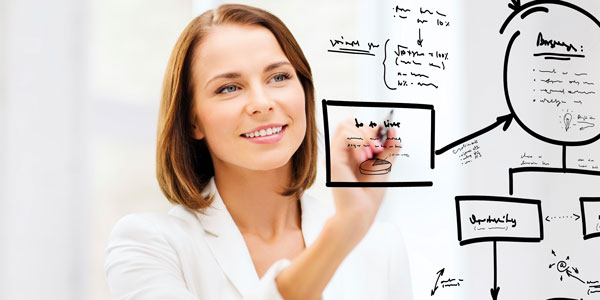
(280, 77)
(227, 89)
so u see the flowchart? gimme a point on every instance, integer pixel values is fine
(551, 92)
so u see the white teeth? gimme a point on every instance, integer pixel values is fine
(264, 132)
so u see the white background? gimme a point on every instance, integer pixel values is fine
(79, 91)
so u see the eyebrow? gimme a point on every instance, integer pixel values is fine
(231, 75)
(276, 65)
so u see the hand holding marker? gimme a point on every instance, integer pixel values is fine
(378, 166)
(383, 130)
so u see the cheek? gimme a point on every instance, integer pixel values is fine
(300, 110)
(295, 104)
(301, 114)
(217, 121)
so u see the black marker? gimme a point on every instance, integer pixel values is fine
(383, 131)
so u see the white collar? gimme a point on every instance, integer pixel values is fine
(228, 245)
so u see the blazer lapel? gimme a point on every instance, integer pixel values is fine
(227, 243)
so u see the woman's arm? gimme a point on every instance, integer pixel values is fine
(309, 273)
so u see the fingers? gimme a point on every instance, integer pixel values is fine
(346, 144)
(370, 146)
(360, 143)
(351, 146)
(392, 146)
(375, 144)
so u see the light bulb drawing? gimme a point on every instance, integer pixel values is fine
(567, 118)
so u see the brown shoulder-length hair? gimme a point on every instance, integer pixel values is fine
(183, 164)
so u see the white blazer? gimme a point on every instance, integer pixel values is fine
(185, 254)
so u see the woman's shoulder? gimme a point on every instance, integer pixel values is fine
(150, 255)
(178, 220)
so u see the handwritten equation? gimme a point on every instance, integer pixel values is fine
(410, 61)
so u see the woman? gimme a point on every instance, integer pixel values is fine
(236, 150)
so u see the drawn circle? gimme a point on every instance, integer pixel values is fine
(562, 266)
(551, 75)
(375, 166)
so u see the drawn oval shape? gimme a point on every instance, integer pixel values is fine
(552, 72)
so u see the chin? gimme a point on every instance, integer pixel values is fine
(272, 159)
(270, 163)
(258, 160)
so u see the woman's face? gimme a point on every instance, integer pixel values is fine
(248, 100)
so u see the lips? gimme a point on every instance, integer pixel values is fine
(268, 134)
(264, 131)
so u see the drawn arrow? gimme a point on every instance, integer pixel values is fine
(577, 217)
(506, 119)
(496, 289)
(515, 5)
(571, 275)
(495, 292)
(440, 273)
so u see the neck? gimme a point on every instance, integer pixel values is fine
(254, 200)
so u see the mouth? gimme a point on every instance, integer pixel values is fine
(264, 131)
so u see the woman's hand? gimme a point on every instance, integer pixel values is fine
(356, 208)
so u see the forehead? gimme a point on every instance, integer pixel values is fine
(235, 48)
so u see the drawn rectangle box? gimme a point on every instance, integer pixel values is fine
(426, 122)
(491, 218)
(590, 216)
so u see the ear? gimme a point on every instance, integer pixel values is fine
(197, 131)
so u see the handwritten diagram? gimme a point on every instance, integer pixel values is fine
(550, 81)
(375, 166)
(415, 118)
(555, 103)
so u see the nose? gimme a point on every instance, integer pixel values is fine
(259, 101)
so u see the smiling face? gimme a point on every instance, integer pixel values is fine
(248, 100)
